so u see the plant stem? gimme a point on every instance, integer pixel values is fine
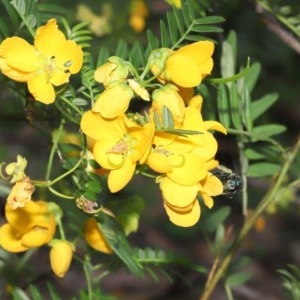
(267, 199)
(53, 149)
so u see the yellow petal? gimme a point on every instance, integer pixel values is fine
(35, 238)
(200, 51)
(24, 218)
(10, 239)
(208, 201)
(187, 219)
(214, 125)
(159, 162)
(49, 38)
(13, 73)
(94, 237)
(69, 57)
(183, 71)
(118, 178)
(19, 55)
(176, 194)
(96, 127)
(41, 90)
(114, 101)
(211, 185)
(192, 171)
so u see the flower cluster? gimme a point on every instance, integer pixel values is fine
(47, 63)
(169, 136)
(33, 223)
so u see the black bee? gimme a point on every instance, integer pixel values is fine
(232, 183)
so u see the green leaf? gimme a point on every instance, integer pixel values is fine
(35, 294)
(164, 35)
(216, 218)
(122, 49)
(261, 151)
(228, 58)
(172, 24)
(223, 105)
(209, 20)
(179, 21)
(153, 40)
(252, 76)
(137, 55)
(186, 15)
(261, 105)
(235, 109)
(263, 169)
(246, 102)
(265, 131)
(53, 293)
(128, 212)
(207, 28)
(219, 238)
(116, 238)
(238, 278)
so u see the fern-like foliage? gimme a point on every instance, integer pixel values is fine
(156, 261)
(181, 26)
(291, 281)
(31, 13)
(286, 13)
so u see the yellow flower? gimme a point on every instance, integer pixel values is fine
(94, 237)
(48, 63)
(98, 24)
(185, 162)
(114, 69)
(114, 101)
(138, 14)
(176, 3)
(16, 169)
(120, 145)
(187, 66)
(20, 193)
(61, 255)
(168, 96)
(27, 227)
(184, 217)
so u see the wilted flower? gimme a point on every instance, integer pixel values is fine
(20, 193)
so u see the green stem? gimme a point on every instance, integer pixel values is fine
(74, 107)
(60, 227)
(66, 173)
(87, 273)
(249, 223)
(55, 192)
(53, 149)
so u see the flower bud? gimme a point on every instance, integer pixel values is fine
(94, 237)
(114, 69)
(61, 255)
(114, 101)
(16, 169)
